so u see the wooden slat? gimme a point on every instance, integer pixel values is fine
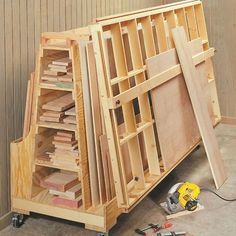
(95, 162)
(191, 21)
(199, 107)
(128, 110)
(144, 104)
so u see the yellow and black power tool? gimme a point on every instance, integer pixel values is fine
(182, 196)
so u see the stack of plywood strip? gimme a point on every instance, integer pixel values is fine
(55, 110)
(66, 150)
(65, 188)
(59, 70)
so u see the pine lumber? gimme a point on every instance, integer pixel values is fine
(199, 106)
(60, 104)
(71, 193)
(59, 181)
(62, 62)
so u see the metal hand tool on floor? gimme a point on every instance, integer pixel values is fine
(155, 228)
(172, 234)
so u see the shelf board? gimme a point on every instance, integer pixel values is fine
(46, 163)
(53, 125)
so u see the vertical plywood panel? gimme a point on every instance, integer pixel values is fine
(21, 23)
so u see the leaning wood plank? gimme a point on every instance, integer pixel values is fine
(199, 107)
(96, 114)
(28, 106)
(96, 181)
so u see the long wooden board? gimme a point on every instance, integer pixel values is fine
(200, 109)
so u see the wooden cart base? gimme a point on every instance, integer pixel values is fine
(102, 221)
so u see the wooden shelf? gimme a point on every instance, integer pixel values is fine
(52, 125)
(45, 163)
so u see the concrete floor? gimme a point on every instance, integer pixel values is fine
(218, 218)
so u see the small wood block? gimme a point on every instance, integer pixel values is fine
(61, 69)
(54, 114)
(65, 153)
(184, 213)
(59, 181)
(70, 112)
(59, 66)
(50, 119)
(64, 147)
(66, 78)
(65, 143)
(60, 104)
(68, 202)
(50, 78)
(55, 73)
(71, 193)
(70, 120)
(63, 62)
(65, 133)
(63, 139)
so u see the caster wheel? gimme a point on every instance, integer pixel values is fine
(102, 234)
(17, 220)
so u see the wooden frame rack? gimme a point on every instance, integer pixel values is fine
(120, 155)
(122, 44)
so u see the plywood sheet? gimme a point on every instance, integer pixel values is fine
(175, 120)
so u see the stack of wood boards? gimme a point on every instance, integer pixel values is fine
(58, 71)
(65, 188)
(60, 110)
(66, 152)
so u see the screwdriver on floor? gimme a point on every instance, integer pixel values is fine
(155, 227)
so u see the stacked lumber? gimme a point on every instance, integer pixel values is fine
(66, 152)
(70, 117)
(59, 71)
(65, 188)
(55, 110)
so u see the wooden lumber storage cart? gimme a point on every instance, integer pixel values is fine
(120, 157)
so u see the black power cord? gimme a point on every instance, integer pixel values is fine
(211, 191)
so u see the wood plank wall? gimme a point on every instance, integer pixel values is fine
(21, 22)
(221, 23)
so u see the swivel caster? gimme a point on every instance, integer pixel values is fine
(17, 220)
(102, 234)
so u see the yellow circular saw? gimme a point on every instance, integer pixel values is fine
(182, 196)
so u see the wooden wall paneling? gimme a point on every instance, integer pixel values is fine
(50, 15)
(16, 69)
(62, 15)
(56, 15)
(84, 12)
(9, 110)
(79, 13)
(3, 125)
(44, 16)
(68, 14)
(37, 26)
(31, 38)
(73, 14)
